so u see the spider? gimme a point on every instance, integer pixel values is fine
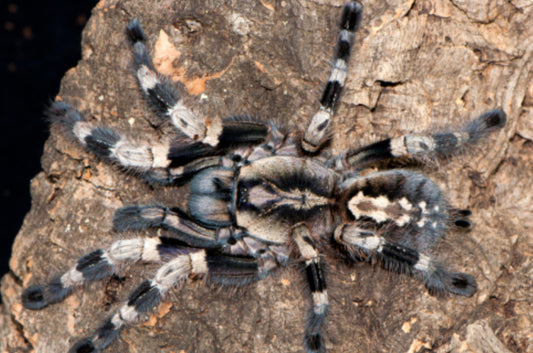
(260, 199)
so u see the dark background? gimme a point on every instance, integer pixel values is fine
(40, 40)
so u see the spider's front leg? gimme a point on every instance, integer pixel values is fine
(317, 131)
(165, 162)
(179, 262)
(108, 144)
(199, 143)
(314, 270)
(183, 228)
(148, 295)
(100, 264)
(162, 95)
(203, 136)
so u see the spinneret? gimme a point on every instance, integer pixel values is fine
(259, 198)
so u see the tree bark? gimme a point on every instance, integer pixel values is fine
(417, 66)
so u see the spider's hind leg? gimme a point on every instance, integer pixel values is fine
(365, 243)
(419, 146)
(317, 131)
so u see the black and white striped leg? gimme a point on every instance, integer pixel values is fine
(317, 132)
(147, 296)
(162, 95)
(151, 161)
(314, 269)
(366, 244)
(442, 144)
(181, 174)
(164, 162)
(100, 264)
(205, 136)
(175, 220)
(270, 256)
(234, 131)
(108, 144)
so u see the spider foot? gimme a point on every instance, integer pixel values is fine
(40, 296)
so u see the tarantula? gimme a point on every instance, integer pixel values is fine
(260, 198)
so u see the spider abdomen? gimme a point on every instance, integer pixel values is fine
(404, 202)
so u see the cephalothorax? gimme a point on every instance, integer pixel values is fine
(258, 198)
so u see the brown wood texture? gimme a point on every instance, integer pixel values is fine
(417, 66)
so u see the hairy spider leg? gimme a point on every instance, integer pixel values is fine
(100, 264)
(204, 136)
(441, 144)
(178, 175)
(315, 275)
(162, 95)
(317, 131)
(271, 256)
(107, 144)
(148, 295)
(398, 216)
(367, 244)
(162, 162)
(175, 220)
(235, 131)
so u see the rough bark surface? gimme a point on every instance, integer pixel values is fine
(418, 65)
